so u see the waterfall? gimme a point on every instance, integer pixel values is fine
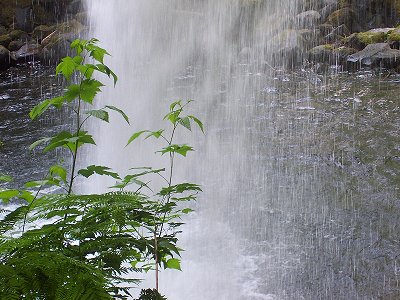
(253, 161)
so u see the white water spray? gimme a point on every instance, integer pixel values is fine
(218, 53)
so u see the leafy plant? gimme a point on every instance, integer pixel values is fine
(66, 245)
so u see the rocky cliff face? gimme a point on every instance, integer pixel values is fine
(352, 33)
(40, 29)
(26, 14)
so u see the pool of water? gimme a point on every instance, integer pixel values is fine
(21, 89)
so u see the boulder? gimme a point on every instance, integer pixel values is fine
(394, 35)
(288, 44)
(3, 30)
(74, 7)
(6, 58)
(341, 16)
(321, 53)
(361, 39)
(328, 53)
(18, 34)
(307, 19)
(327, 10)
(40, 32)
(16, 45)
(379, 54)
(325, 29)
(27, 52)
(56, 44)
(5, 40)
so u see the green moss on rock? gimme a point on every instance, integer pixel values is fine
(371, 37)
(5, 39)
(394, 35)
(342, 16)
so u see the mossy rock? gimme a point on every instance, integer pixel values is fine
(370, 37)
(321, 53)
(342, 16)
(5, 40)
(16, 45)
(3, 30)
(7, 14)
(394, 35)
(40, 32)
(344, 3)
(56, 45)
(361, 39)
(18, 34)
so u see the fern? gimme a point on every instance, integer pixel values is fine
(86, 247)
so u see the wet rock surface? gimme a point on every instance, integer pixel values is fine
(344, 27)
(36, 30)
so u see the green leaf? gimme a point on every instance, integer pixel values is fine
(135, 136)
(173, 117)
(78, 59)
(89, 89)
(180, 188)
(50, 182)
(198, 122)
(121, 112)
(155, 134)
(67, 67)
(99, 114)
(78, 45)
(39, 109)
(67, 140)
(37, 143)
(87, 70)
(6, 195)
(185, 122)
(27, 196)
(98, 53)
(72, 92)
(106, 70)
(57, 102)
(174, 104)
(59, 171)
(174, 263)
(5, 178)
(187, 210)
(100, 170)
(180, 149)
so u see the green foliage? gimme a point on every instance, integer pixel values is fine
(71, 246)
(150, 294)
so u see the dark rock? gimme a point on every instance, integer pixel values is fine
(342, 16)
(40, 32)
(361, 39)
(16, 45)
(56, 44)
(18, 34)
(3, 30)
(307, 19)
(321, 53)
(5, 40)
(23, 18)
(6, 58)
(288, 47)
(74, 7)
(379, 54)
(394, 35)
(325, 28)
(82, 17)
(27, 51)
(328, 53)
(327, 10)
